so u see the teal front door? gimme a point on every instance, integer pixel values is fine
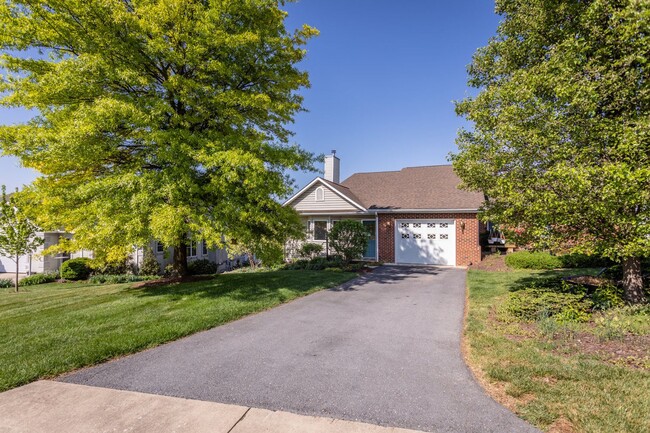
(371, 247)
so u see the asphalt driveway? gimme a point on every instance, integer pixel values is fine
(385, 350)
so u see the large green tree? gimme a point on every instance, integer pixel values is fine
(561, 136)
(163, 119)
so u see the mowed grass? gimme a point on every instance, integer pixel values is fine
(54, 328)
(560, 392)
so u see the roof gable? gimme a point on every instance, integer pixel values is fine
(335, 198)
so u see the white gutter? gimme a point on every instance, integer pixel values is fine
(378, 211)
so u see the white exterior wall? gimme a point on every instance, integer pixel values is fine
(39, 263)
(331, 201)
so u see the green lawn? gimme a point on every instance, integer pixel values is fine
(553, 382)
(54, 328)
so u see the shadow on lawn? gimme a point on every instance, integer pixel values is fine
(241, 286)
(268, 285)
(548, 278)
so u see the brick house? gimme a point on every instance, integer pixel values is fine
(416, 215)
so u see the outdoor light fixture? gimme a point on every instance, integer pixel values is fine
(462, 226)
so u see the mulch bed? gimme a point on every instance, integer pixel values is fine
(492, 262)
(629, 351)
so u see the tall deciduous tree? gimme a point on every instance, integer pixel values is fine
(561, 138)
(17, 233)
(162, 119)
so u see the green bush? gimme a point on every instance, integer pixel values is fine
(150, 265)
(32, 280)
(76, 269)
(349, 238)
(117, 279)
(607, 296)
(315, 264)
(112, 268)
(310, 250)
(530, 260)
(5, 283)
(202, 267)
(577, 260)
(534, 304)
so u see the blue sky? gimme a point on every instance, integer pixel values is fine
(384, 76)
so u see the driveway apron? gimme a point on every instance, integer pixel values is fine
(384, 349)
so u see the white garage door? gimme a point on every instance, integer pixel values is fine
(429, 242)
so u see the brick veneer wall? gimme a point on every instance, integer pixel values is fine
(468, 250)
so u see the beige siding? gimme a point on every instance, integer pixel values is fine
(332, 201)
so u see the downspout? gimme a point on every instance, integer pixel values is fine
(376, 236)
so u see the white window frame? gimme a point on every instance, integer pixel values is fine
(320, 190)
(327, 229)
(204, 247)
(192, 247)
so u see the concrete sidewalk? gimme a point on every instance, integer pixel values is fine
(56, 407)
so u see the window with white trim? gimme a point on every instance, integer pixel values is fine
(191, 249)
(320, 194)
(160, 248)
(204, 247)
(320, 230)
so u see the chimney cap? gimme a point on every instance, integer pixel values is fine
(334, 152)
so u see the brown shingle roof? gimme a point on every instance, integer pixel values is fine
(343, 190)
(430, 187)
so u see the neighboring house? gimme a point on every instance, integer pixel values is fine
(195, 251)
(417, 215)
(51, 263)
(38, 263)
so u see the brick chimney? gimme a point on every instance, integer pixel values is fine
(333, 168)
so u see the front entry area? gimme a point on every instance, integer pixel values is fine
(427, 242)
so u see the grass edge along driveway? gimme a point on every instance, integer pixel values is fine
(55, 328)
(554, 390)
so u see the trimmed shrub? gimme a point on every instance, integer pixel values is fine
(577, 260)
(150, 265)
(35, 279)
(202, 267)
(117, 279)
(310, 250)
(528, 260)
(76, 269)
(6, 284)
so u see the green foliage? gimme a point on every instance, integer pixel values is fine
(559, 142)
(309, 250)
(607, 296)
(535, 304)
(35, 279)
(150, 265)
(155, 119)
(118, 279)
(5, 283)
(349, 238)
(578, 260)
(76, 269)
(112, 268)
(315, 264)
(542, 260)
(202, 267)
(533, 260)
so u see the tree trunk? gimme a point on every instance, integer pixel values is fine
(180, 259)
(633, 280)
(16, 282)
